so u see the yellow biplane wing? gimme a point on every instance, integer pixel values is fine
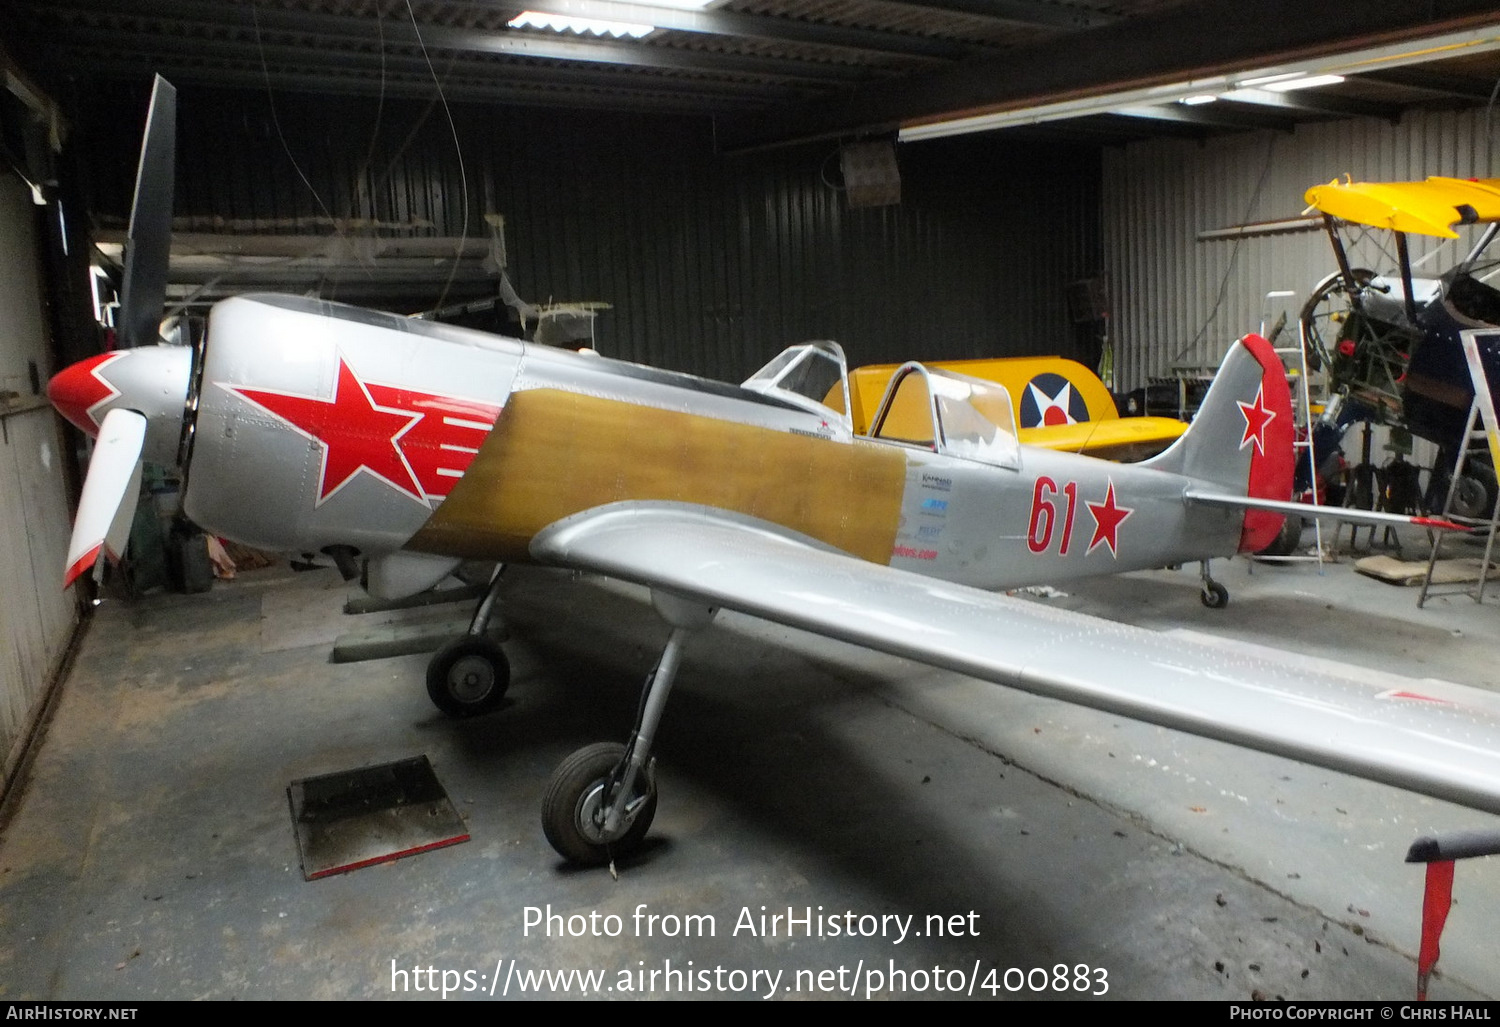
(1429, 207)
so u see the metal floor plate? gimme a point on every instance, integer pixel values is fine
(358, 818)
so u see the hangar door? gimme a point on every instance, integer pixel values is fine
(36, 615)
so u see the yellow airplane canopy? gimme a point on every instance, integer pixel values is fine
(1427, 208)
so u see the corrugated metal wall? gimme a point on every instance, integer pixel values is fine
(712, 264)
(36, 615)
(1179, 301)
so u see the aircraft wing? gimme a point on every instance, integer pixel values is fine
(1118, 438)
(1433, 737)
(1429, 207)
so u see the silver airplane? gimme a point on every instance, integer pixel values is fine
(398, 447)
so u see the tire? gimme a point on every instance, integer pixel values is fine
(468, 676)
(1215, 596)
(1475, 495)
(576, 791)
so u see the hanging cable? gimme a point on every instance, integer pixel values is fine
(457, 149)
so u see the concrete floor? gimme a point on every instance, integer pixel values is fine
(150, 853)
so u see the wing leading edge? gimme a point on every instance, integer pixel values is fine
(1432, 737)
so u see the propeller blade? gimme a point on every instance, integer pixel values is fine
(107, 506)
(148, 245)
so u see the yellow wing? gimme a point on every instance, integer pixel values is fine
(1430, 207)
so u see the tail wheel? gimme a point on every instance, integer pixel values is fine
(1215, 596)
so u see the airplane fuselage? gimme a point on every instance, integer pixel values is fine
(324, 426)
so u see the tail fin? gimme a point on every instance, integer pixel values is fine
(1241, 440)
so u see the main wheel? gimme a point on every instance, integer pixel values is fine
(1215, 596)
(573, 808)
(468, 676)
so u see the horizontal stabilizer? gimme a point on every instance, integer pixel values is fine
(1347, 514)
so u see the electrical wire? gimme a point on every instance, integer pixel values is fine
(1233, 255)
(276, 121)
(458, 150)
(364, 168)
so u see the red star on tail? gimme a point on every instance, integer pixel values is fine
(1257, 416)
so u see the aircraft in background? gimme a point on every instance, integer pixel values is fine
(401, 447)
(1059, 404)
(1392, 343)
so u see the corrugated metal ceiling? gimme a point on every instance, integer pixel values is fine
(770, 71)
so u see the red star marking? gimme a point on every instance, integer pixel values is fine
(355, 433)
(1256, 419)
(1107, 520)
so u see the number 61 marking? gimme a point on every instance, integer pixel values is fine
(1044, 515)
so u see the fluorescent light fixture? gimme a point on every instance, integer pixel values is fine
(1296, 74)
(601, 17)
(582, 26)
(1265, 81)
(1199, 98)
(1286, 85)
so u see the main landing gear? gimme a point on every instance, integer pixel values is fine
(601, 799)
(1214, 595)
(469, 675)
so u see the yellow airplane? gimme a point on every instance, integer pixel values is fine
(1060, 405)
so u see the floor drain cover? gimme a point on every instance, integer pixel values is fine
(357, 818)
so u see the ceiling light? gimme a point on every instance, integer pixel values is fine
(1264, 81)
(1198, 98)
(582, 26)
(594, 17)
(1301, 82)
(1302, 74)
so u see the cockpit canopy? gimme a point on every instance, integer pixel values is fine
(949, 413)
(813, 376)
(936, 409)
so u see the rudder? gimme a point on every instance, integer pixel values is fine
(1242, 438)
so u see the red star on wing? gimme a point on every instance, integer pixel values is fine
(1107, 520)
(355, 433)
(1257, 416)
